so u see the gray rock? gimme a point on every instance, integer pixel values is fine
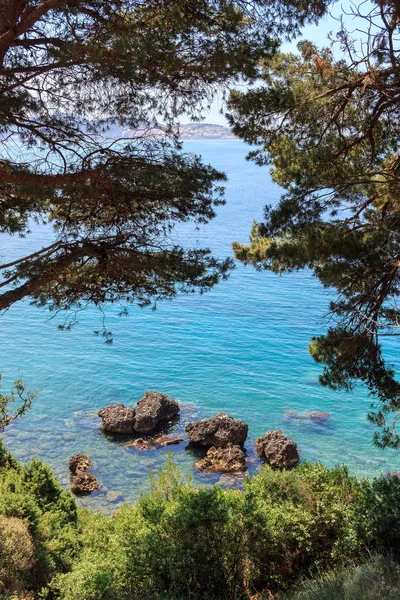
(152, 410)
(278, 450)
(117, 418)
(218, 431)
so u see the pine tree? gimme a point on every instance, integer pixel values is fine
(328, 122)
(71, 72)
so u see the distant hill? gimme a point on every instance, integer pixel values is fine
(191, 131)
(205, 131)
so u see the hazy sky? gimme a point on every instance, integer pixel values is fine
(316, 33)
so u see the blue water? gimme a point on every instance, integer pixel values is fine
(241, 348)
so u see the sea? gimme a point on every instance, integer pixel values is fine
(240, 348)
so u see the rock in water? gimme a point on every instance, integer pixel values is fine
(117, 418)
(151, 410)
(141, 444)
(279, 450)
(167, 440)
(218, 431)
(83, 483)
(223, 460)
(153, 443)
(319, 416)
(79, 462)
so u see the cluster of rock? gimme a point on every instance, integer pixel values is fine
(222, 435)
(225, 437)
(82, 482)
(146, 417)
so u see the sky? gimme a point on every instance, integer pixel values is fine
(316, 33)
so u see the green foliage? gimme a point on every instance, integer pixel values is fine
(218, 544)
(329, 128)
(30, 495)
(302, 521)
(208, 543)
(378, 514)
(377, 578)
(7, 416)
(16, 550)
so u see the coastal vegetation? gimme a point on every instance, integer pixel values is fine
(181, 540)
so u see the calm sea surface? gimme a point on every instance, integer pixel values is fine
(241, 348)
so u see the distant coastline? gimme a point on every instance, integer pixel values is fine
(205, 131)
(189, 131)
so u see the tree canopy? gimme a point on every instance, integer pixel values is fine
(327, 121)
(70, 72)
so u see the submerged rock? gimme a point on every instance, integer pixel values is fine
(218, 431)
(117, 418)
(320, 416)
(83, 483)
(114, 497)
(278, 450)
(223, 460)
(141, 444)
(151, 410)
(153, 443)
(317, 416)
(165, 440)
(79, 462)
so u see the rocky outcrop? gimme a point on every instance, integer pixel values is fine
(278, 450)
(231, 459)
(79, 462)
(218, 431)
(148, 414)
(83, 483)
(117, 419)
(153, 409)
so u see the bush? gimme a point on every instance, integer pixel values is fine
(379, 514)
(31, 495)
(302, 521)
(211, 543)
(16, 551)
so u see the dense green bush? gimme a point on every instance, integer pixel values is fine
(379, 514)
(181, 541)
(32, 498)
(209, 543)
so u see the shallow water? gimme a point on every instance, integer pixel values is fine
(241, 348)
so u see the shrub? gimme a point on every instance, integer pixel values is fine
(379, 514)
(16, 551)
(180, 540)
(301, 521)
(31, 495)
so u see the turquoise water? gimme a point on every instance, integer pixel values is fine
(241, 348)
